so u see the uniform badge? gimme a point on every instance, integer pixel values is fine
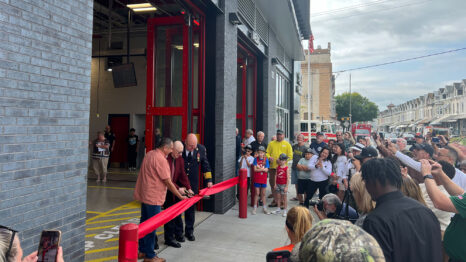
(198, 157)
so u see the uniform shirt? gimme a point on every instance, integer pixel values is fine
(317, 147)
(282, 175)
(455, 235)
(150, 188)
(244, 163)
(304, 174)
(319, 174)
(276, 148)
(405, 229)
(298, 153)
(110, 136)
(255, 145)
(260, 177)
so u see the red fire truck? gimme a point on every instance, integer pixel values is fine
(361, 130)
(309, 129)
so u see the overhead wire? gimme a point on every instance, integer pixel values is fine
(342, 9)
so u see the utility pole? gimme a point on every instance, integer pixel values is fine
(309, 82)
(350, 119)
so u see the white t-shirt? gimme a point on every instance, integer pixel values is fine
(248, 141)
(319, 174)
(250, 160)
(442, 216)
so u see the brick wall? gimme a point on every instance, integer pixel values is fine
(45, 55)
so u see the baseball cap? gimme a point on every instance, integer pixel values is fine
(419, 136)
(357, 147)
(339, 240)
(424, 146)
(261, 148)
(367, 152)
(248, 147)
(283, 157)
(319, 134)
(280, 132)
(309, 150)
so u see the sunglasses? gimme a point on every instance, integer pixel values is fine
(11, 240)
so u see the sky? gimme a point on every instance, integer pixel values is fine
(370, 32)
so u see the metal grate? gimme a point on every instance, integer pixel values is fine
(262, 27)
(247, 11)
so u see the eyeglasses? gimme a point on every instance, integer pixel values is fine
(11, 240)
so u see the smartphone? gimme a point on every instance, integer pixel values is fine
(278, 256)
(381, 136)
(435, 140)
(48, 245)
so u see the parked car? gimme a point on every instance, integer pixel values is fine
(409, 139)
(391, 136)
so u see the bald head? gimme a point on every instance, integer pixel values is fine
(177, 149)
(191, 142)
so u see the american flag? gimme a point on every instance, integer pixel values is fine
(311, 43)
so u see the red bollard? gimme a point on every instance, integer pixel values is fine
(128, 243)
(243, 193)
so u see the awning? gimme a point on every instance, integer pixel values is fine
(401, 126)
(424, 121)
(462, 116)
(450, 119)
(439, 120)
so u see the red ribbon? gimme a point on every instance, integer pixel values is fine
(168, 214)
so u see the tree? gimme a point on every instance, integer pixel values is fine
(362, 109)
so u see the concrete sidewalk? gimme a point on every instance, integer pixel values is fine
(228, 238)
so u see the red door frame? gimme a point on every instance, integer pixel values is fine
(151, 109)
(243, 115)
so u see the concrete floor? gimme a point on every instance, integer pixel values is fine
(218, 237)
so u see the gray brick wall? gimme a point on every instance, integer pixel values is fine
(45, 55)
(225, 106)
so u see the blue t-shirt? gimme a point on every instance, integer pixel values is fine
(317, 147)
(266, 162)
(353, 215)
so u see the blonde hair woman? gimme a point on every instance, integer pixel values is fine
(298, 222)
(410, 189)
(361, 197)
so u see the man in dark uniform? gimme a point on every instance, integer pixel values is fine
(174, 229)
(194, 155)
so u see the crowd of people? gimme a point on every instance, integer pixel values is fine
(402, 204)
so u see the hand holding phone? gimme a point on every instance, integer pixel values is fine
(49, 246)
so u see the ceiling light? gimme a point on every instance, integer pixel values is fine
(145, 9)
(132, 6)
(109, 70)
(178, 47)
(196, 44)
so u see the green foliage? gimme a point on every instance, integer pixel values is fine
(362, 109)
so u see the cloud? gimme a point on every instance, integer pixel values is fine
(391, 30)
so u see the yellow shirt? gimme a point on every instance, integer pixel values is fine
(275, 149)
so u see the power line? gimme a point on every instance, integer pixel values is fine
(342, 9)
(375, 11)
(401, 60)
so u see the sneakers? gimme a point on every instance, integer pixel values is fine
(267, 212)
(254, 211)
(284, 213)
(277, 211)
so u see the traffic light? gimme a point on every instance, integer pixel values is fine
(345, 119)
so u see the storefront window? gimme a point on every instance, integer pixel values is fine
(283, 103)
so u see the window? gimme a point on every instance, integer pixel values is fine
(304, 127)
(282, 86)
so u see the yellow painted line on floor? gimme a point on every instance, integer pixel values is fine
(110, 220)
(109, 212)
(91, 235)
(116, 238)
(100, 250)
(94, 212)
(111, 187)
(126, 213)
(132, 205)
(96, 228)
(103, 259)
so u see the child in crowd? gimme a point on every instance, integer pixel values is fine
(304, 174)
(281, 184)
(246, 161)
(261, 167)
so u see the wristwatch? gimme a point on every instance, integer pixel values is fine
(428, 176)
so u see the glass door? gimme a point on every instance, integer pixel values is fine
(174, 105)
(246, 91)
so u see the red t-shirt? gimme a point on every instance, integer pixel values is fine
(260, 177)
(282, 173)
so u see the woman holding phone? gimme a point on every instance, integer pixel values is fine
(11, 251)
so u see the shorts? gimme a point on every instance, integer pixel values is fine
(259, 185)
(294, 176)
(280, 189)
(302, 185)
